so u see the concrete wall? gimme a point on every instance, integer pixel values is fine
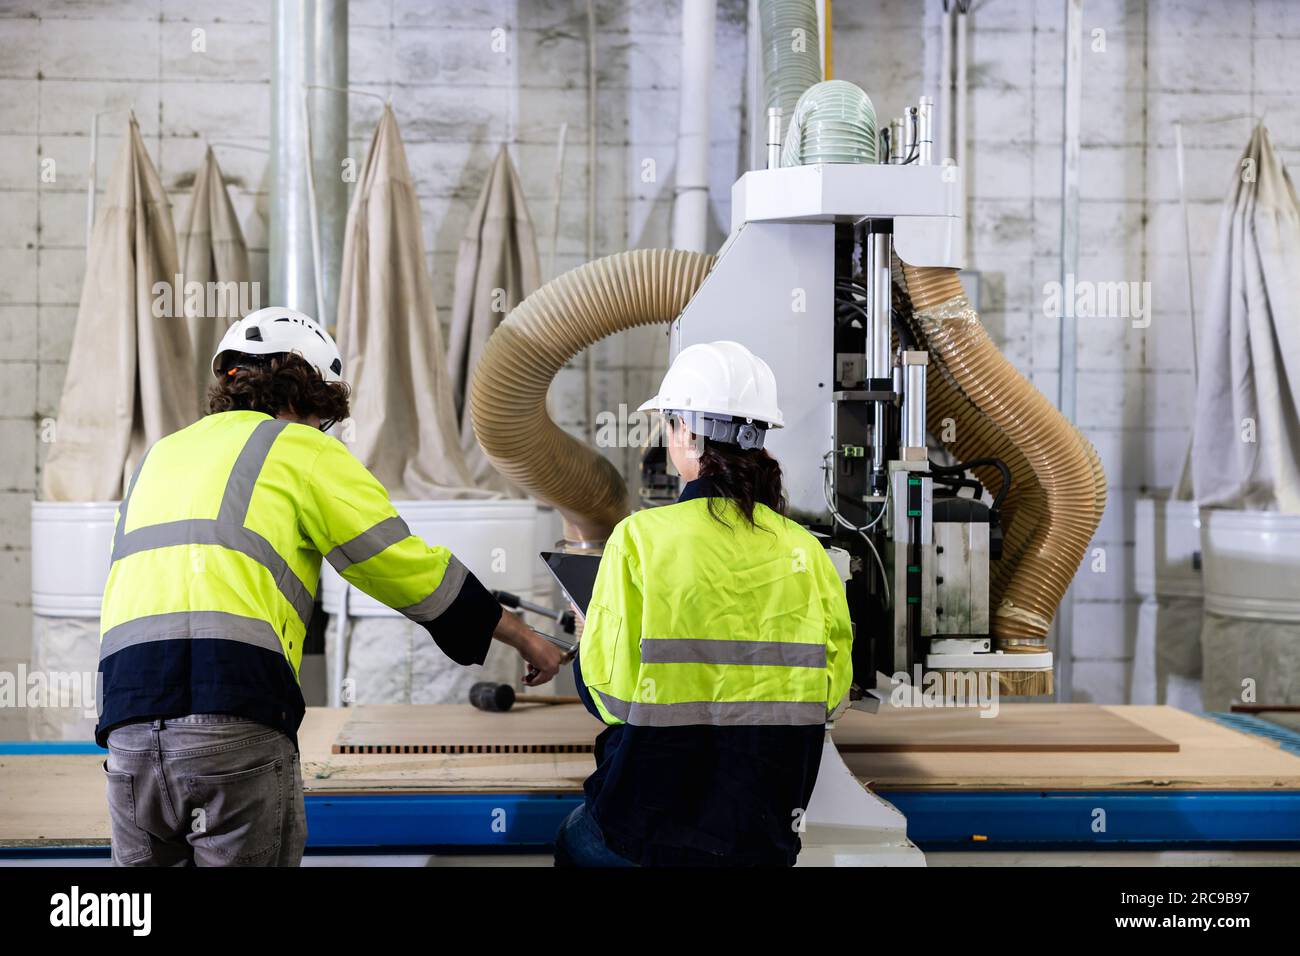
(457, 100)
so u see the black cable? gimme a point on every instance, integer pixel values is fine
(958, 482)
(905, 334)
(962, 467)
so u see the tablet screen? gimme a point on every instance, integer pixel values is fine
(576, 574)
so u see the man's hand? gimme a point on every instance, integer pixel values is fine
(544, 661)
(544, 658)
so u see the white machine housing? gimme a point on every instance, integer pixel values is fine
(783, 229)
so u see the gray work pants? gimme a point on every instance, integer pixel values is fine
(204, 790)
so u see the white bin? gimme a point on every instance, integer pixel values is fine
(1251, 636)
(72, 542)
(71, 547)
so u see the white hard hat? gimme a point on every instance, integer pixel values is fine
(278, 329)
(720, 379)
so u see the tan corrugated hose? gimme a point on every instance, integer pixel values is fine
(1058, 482)
(565, 316)
(1057, 495)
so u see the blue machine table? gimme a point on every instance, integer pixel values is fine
(1223, 787)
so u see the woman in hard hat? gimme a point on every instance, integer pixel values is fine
(215, 563)
(716, 642)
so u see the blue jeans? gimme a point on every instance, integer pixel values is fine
(580, 843)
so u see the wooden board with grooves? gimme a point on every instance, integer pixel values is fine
(460, 729)
(569, 729)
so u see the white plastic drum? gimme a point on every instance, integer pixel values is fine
(72, 543)
(496, 540)
(1167, 539)
(1251, 564)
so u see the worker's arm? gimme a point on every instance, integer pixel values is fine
(348, 516)
(839, 633)
(612, 629)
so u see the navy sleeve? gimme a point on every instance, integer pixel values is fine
(464, 630)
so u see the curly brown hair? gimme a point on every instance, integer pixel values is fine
(285, 382)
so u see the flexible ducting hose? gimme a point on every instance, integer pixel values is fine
(1001, 414)
(833, 122)
(792, 59)
(565, 316)
(968, 434)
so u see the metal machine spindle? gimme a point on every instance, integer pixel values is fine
(912, 441)
(925, 132)
(774, 137)
(879, 346)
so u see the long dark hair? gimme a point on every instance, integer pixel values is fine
(747, 477)
(284, 382)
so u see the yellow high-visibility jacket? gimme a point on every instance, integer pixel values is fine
(715, 653)
(216, 559)
(693, 622)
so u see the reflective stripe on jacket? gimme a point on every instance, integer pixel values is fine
(695, 623)
(216, 560)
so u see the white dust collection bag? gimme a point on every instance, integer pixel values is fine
(495, 270)
(403, 424)
(65, 652)
(1247, 426)
(1245, 470)
(213, 254)
(130, 377)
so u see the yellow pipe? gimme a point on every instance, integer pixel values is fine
(826, 44)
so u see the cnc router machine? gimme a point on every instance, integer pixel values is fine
(806, 279)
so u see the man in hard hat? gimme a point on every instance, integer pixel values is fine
(717, 642)
(216, 558)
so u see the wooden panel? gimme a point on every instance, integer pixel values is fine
(49, 800)
(1017, 728)
(1210, 757)
(461, 729)
(1020, 728)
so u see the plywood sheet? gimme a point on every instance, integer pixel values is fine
(461, 729)
(1019, 728)
(1022, 728)
(52, 800)
(1209, 757)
